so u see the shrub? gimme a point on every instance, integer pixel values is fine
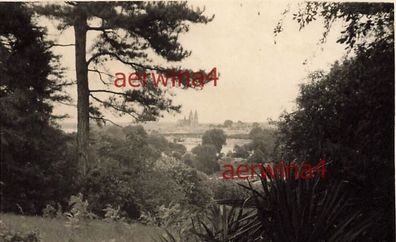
(34, 177)
(51, 212)
(281, 210)
(227, 224)
(227, 189)
(155, 189)
(114, 187)
(78, 211)
(323, 214)
(193, 184)
(112, 214)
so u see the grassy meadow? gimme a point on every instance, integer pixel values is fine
(55, 230)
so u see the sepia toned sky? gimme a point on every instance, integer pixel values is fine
(258, 78)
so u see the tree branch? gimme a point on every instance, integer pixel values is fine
(108, 91)
(100, 75)
(63, 45)
(97, 28)
(67, 104)
(129, 112)
(59, 45)
(71, 3)
(105, 120)
(133, 64)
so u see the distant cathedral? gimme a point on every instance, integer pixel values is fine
(192, 120)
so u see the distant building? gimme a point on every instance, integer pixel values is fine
(192, 120)
(195, 120)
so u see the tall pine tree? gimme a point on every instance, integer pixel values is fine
(127, 31)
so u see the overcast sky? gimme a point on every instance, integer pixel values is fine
(258, 78)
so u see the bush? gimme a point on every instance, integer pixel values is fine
(38, 172)
(227, 189)
(193, 184)
(133, 194)
(102, 187)
(155, 189)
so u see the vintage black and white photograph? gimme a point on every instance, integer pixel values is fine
(197, 121)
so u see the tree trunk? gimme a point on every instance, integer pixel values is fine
(80, 33)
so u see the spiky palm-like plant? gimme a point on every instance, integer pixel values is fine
(301, 210)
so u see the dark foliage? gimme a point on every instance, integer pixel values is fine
(227, 224)
(347, 118)
(298, 210)
(287, 210)
(205, 159)
(261, 147)
(215, 137)
(365, 23)
(36, 159)
(111, 187)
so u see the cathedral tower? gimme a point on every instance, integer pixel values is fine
(195, 121)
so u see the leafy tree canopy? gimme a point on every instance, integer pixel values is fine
(364, 23)
(346, 117)
(215, 137)
(205, 158)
